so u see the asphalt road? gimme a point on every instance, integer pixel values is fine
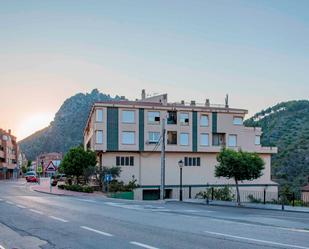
(34, 220)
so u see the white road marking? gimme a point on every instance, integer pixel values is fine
(96, 231)
(57, 218)
(143, 245)
(85, 200)
(257, 240)
(161, 210)
(258, 225)
(294, 229)
(35, 211)
(21, 206)
(9, 202)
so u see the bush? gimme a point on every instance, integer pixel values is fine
(77, 188)
(119, 186)
(253, 199)
(61, 186)
(221, 194)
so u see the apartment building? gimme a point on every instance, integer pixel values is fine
(128, 134)
(8, 155)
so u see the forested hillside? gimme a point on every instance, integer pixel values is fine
(286, 125)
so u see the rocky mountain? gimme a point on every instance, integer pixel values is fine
(286, 125)
(67, 128)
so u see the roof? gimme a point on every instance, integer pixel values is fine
(141, 104)
(305, 188)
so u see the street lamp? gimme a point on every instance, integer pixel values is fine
(180, 164)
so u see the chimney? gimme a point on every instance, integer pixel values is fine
(192, 103)
(143, 94)
(227, 101)
(9, 131)
(182, 102)
(207, 103)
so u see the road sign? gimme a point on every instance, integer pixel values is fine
(108, 178)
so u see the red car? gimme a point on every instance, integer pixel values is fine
(31, 177)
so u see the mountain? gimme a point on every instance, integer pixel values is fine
(286, 125)
(67, 128)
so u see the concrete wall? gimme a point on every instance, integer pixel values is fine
(146, 169)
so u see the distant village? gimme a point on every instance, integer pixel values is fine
(12, 159)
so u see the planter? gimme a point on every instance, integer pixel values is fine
(122, 195)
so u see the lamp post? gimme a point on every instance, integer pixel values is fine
(180, 164)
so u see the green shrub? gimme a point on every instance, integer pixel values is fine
(119, 186)
(253, 199)
(221, 194)
(77, 188)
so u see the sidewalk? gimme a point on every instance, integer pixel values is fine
(247, 205)
(44, 187)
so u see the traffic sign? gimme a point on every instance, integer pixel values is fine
(108, 178)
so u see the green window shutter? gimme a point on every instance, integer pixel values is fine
(194, 131)
(141, 128)
(214, 122)
(112, 129)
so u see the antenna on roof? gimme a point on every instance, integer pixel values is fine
(227, 101)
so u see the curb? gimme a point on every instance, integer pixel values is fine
(232, 206)
(43, 192)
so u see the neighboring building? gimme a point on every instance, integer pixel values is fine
(8, 155)
(305, 193)
(21, 161)
(127, 134)
(49, 162)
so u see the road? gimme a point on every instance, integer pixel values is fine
(33, 220)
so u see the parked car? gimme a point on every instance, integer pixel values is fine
(61, 177)
(31, 176)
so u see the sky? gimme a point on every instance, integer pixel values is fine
(256, 51)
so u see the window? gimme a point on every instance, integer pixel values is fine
(218, 139)
(192, 161)
(125, 161)
(184, 118)
(184, 138)
(154, 117)
(171, 117)
(204, 139)
(204, 120)
(128, 137)
(257, 140)
(99, 137)
(99, 115)
(232, 140)
(172, 137)
(238, 121)
(153, 137)
(128, 116)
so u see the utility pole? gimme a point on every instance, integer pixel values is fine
(162, 161)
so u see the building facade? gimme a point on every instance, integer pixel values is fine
(8, 155)
(128, 134)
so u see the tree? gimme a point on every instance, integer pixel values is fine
(77, 161)
(240, 166)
